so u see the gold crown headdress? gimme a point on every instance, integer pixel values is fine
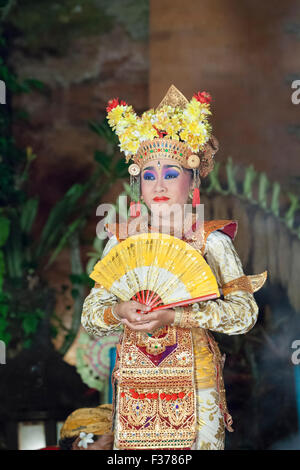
(177, 129)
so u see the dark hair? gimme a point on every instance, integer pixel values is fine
(66, 443)
(188, 170)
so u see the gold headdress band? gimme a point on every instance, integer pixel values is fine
(89, 420)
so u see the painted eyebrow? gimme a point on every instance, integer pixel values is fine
(164, 166)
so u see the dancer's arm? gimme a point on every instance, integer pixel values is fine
(97, 312)
(237, 313)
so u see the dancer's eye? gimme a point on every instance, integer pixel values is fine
(170, 174)
(148, 176)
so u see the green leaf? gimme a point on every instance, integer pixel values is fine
(53, 331)
(28, 214)
(56, 222)
(5, 297)
(90, 265)
(122, 168)
(75, 293)
(30, 324)
(3, 325)
(27, 343)
(104, 161)
(5, 336)
(127, 189)
(98, 245)
(34, 83)
(2, 270)
(14, 250)
(78, 278)
(104, 130)
(4, 310)
(4, 229)
(62, 242)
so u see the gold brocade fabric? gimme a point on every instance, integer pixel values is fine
(156, 400)
(205, 371)
(242, 283)
(235, 314)
(96, 420)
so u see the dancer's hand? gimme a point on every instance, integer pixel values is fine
(151, 321)
(129, 311)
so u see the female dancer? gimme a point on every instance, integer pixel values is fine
(168, 384)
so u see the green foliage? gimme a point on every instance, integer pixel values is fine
(268, 193)
(30, 321)
(82, 278)
(94, 256)
(4, 306)
(4, 232)
(4, 229)
(23, 259)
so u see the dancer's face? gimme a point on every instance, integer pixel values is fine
(165, 182)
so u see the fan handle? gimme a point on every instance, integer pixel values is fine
(184, 302)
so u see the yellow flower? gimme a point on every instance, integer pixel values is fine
(115, 115)
(192, 110)
(190, 124)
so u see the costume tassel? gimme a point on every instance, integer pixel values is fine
(135, 209)
(138, 209)
(196, 197)
(132, 209)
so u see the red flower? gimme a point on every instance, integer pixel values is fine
(168, 397)
(174, 396)
(142, 396)
(203, 97)
(123, 394)
(131, 390)
(154, 395)
(149, 395)
(113, 103)
(181, 395)
(161, 134)
(135, 395)
(162, 396)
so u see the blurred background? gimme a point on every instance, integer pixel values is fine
(60, 64)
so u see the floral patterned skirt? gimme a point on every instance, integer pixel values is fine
(210, 428)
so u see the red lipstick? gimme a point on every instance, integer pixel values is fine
(160, 198)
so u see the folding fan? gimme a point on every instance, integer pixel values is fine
(157, 270)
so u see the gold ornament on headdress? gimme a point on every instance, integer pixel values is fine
(173, 98)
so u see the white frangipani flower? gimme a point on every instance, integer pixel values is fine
(85, 439)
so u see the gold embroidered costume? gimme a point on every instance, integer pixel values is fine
(236, 314)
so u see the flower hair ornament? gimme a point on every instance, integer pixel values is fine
(85, 439)
(177, 129)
